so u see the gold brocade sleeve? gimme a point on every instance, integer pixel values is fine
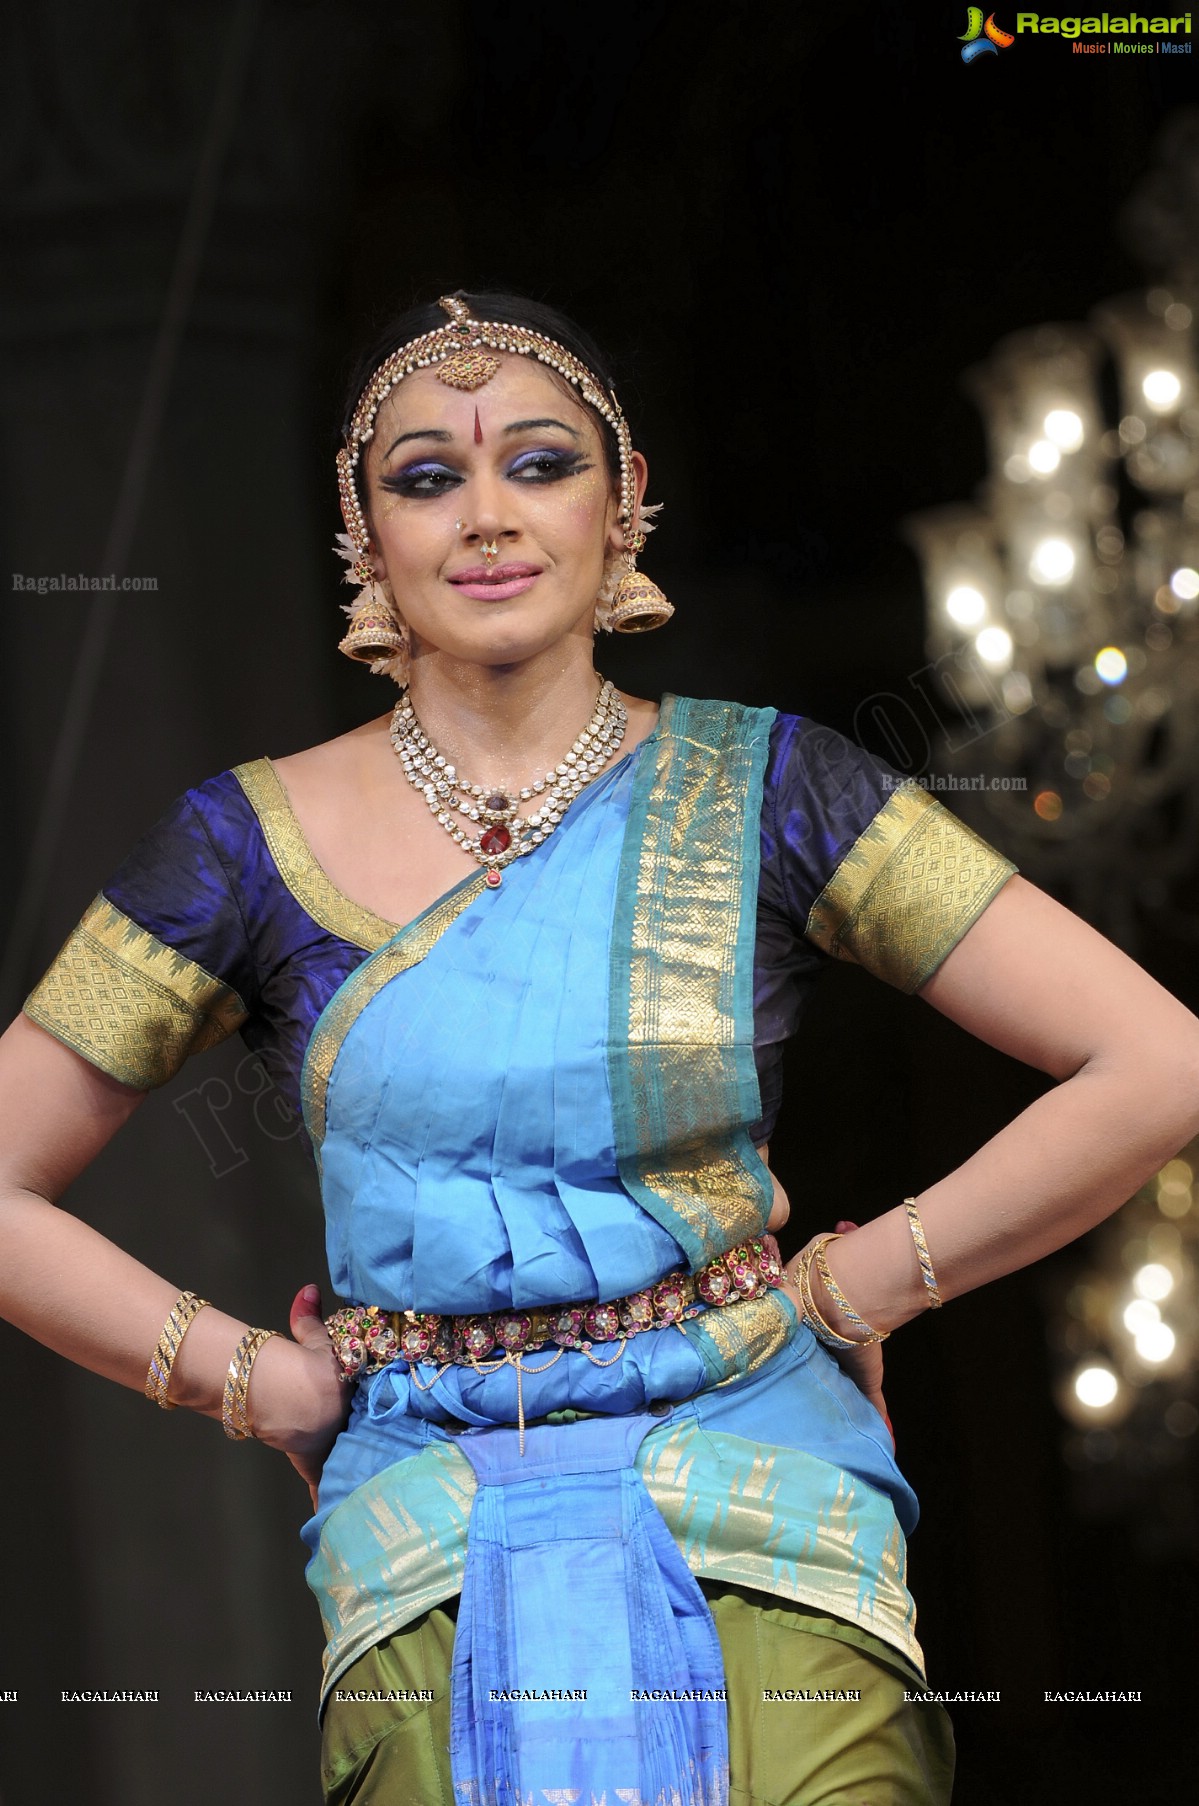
(129, 1003)
(907, 890)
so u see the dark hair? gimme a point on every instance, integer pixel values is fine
(506, 310)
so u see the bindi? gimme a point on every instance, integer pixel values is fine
(478, 429)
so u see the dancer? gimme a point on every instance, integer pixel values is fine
(593, 1474)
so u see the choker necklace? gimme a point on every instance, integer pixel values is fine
(493, 830)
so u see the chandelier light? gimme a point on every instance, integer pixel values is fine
(1062, 605)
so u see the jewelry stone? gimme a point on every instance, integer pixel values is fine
(497, 833)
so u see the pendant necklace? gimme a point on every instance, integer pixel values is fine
(492, 829)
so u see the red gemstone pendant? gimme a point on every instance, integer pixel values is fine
(493, 880)
(496, 840)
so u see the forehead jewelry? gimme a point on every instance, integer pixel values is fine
(461, 354)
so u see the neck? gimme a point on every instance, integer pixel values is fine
(505, 724)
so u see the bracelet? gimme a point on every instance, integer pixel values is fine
(922, 1255)
(184, 1311)
(235, 1419)
(841, 1301)
(824, 1332)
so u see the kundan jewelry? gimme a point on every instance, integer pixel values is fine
(461, 355)
(490, 549)
(367, 1338)
(492, 829)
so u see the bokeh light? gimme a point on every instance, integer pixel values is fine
(965, 605)
(1161, 389)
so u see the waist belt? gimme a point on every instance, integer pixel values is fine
(367, 1338)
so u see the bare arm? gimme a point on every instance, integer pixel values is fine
(80, 1294)
(1034, 981)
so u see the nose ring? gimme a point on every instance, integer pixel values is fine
(490, 550)
(458, 525)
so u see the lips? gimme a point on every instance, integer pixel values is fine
(495, 583)
(496, 573)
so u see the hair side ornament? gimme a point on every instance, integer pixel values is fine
(462, 355)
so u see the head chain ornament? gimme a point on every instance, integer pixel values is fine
(461, 353)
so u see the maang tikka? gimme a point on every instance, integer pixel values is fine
(462, 353)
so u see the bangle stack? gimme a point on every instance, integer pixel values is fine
(932, 1293)
(235, 1401)
(823, 1331)
(814, 1256)
(184, 1311)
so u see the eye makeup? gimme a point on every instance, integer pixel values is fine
(539, 465)
(547, 464)
(425, 478)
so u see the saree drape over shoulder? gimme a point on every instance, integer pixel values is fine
(549, 1093)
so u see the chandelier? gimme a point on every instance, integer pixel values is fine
(1062, 619)
(1062, 606)
(1124, 1334)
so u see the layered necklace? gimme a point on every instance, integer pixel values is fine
(491, 827)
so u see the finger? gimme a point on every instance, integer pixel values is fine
(304, 1318)
(845, 1226)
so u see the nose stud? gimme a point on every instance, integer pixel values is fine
(490, 550)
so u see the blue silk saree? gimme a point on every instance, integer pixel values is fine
(548, 1093)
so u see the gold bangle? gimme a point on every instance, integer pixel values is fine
(811, 1316)
(841, 1301)
(235, 1400)
(935, 1300)
(184, 1311)
(811, 1313)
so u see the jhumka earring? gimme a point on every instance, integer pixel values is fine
(374, 636)
(632, 602)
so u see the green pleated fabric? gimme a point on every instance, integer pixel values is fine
(861, 1744)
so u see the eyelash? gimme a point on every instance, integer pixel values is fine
(422, 479)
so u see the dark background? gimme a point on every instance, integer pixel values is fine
(793, 226)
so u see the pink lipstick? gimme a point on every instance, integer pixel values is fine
(495, 583)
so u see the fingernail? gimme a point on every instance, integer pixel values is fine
(311, 1294)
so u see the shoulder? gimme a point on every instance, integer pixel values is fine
(346, 773)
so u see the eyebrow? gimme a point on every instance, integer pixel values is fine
(523, 426)
(444, 438)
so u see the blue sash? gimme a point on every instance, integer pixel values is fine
(585, 1658)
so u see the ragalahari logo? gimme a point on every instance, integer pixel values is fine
(982, 37)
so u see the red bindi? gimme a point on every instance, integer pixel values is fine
(478, 429)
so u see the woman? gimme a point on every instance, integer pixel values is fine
(541, 1110)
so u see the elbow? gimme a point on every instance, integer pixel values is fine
(1167, 1075)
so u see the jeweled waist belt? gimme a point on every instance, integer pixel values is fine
(367, 1337)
